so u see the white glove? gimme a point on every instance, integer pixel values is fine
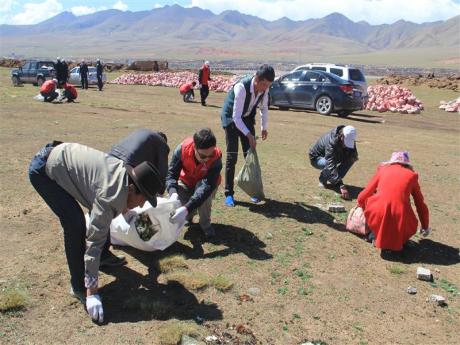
(94, 308)
(425, 232)
(179, 216)
(173, 196)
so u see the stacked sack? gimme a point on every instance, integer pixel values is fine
(393, 98)
(451, 106)
(174, 79)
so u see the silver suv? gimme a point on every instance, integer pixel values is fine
(345, 72)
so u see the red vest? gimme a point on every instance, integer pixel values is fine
(205, 75)
(186, 88)
(48, 86)
(192, 172)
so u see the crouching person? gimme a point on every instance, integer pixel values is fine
(70, 92)
(67, 175)
(334, 154)
(48, 90)
(186, 90)
(193, 178)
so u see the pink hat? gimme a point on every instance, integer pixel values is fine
(401, 157)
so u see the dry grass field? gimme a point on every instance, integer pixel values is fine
(283, 272)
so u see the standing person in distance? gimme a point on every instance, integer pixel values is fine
(84, 74)
(204, 76)
(239, 117)
(99, 71)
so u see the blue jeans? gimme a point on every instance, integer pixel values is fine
(69, 213)
(342, 169)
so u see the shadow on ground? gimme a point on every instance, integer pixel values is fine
(133, 297)
(298, 211)
(425, 252)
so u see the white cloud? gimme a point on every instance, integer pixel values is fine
(372, 11)
(120, 5)
(157, 6)
(7, 5)
(36, 12)
(82, 10)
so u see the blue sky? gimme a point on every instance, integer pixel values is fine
(373, 11)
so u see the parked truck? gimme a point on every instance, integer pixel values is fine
(34, 72)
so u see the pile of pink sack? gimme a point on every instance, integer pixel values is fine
(175, 79)
(392, 98)
(451, 106)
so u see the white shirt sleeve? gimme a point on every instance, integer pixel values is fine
(264, 112)
(238, 106)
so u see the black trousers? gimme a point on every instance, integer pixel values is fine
(49, 97)
(204, 92)
(84, 81)
(100, 84)
(231, 139)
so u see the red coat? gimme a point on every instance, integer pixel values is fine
(193, 171)
(204, 76)
(185, 88)
(48, 86)
(387, 208)
(71, 89)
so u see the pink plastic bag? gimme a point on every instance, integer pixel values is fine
(356, 222)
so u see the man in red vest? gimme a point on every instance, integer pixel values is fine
(48, 90)
(186, 90)
(70, 92)
(204, 76)
(193, 178)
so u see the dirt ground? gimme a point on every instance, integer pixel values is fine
(296, 275)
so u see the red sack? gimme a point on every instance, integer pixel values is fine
(356, 222)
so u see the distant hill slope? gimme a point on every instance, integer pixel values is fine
(187, 33)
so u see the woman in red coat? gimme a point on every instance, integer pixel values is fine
(386, 203)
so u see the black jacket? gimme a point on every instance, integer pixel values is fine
(99, 69)
(330, 147)
(144, 145)
(204, 187)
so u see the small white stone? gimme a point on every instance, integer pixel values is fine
(411, 290)
(424, 274)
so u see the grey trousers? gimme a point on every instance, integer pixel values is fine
(204, 211)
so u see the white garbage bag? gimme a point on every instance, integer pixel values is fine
(123, 229)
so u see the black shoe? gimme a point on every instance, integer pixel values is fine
(113, 260)
(80, 295)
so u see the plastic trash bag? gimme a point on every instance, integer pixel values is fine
(249, 178)
(39, 98)
(123, 230)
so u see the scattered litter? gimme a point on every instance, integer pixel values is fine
(336, 208)
(245, 298)
(424, 274)
(450, 106)
(438, 299)
(411, 290)
(393, 98)
(211, 338)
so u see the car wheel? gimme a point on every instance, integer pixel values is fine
(40, 81)
(324, 105)
(15, 80)
(343, 113)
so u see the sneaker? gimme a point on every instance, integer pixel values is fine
(255, 200)
(229, 201)
(80, 295)
(209, 232)
(113, 260)
(321, 185)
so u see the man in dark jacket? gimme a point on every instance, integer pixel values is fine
(193, 178)
(204, 76)
(238, 120)
(99, 70)
(59, 67)
(84, 74)
(334, 154)
(65, 71)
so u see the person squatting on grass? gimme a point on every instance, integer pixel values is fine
(48, 90)
(193, 178)
(68, 174)
(238, 120)
(387, 207)
(186, 90)
(334, 154)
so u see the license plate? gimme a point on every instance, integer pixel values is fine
(357, 94)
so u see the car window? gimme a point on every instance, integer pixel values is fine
(303, 68)
(92, 69)
(295, 76)
(356, 75)
(317, 68)
(47, 64)
(26, 65)
(313, 77)
(76, 70)
(337, 71)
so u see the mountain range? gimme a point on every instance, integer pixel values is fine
(175, 32)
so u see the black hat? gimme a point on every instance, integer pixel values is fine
(147, 179)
